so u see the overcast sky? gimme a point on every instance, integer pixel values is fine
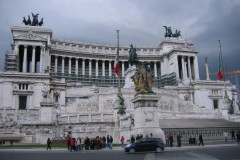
(140, 22)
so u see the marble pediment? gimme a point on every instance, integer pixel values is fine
(30, 36)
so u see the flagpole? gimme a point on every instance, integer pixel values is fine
(224, 80)
(119, 89)
(220, 47)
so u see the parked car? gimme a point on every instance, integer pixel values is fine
(146, 144)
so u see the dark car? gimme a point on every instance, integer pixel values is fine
(146, 144)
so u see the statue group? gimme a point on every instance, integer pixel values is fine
(34, 21)
(143, 77)
(132, 57)
(169, 33)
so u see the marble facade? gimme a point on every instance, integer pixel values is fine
(63, 87)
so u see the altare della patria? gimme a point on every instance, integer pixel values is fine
(60, 88)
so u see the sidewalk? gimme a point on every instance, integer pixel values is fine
(121, 149)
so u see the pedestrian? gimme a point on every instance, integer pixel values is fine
(72, 144)
(68, 143)
(151, 135)
(238, 138)
(132, 139)
(201, 140)
(233, 135)
(225, 136)
(167, 140)
(110, 142)
(49, 144)
(138, 137)
(82, 143)
(179, 140)
(122, 141)
(171, 140)
(78, 144)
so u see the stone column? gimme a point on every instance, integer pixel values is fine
(83, 66)
(16, 49)
(155, 69)
(162, 67)
(196, 73)
(30, 102)
(189, 69)
(56, 64)
(42, 52)
(24, 69)
(90, 67)
(110, 68)
(69, 65)
(207, 72)
(63, 65)
(123, 68)
(14, 102)
(76, 66)
(33, 59)
(182, 59)
(96, 67)
(103, 67)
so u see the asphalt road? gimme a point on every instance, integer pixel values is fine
(197, 153)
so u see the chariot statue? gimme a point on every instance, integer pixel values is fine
(34, 21)
(169, 33)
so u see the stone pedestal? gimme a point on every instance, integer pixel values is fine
(46, 112)
(146, 120)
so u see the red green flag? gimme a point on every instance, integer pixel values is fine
(116, 63)
(220, 73)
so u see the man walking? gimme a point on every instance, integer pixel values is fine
(49, 144)
(201, 140)
(171, 140)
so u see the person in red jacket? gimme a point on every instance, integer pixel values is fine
(122, 141)
(72, 144)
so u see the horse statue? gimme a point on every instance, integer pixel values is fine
(176, 34)
(25, 21)
(169, 33)
(35, 19)
(132, 59)
(29, 20)
(41, 22)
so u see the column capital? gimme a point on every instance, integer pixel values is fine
(25, 46)
(70, 58)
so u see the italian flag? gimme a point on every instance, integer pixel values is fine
(116, 63)
(220, 74)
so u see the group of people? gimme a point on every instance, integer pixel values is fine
(169, 140)
(235, 136)
(80, 143)
(77, 144)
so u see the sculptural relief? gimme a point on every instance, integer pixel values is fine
(149, 116)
